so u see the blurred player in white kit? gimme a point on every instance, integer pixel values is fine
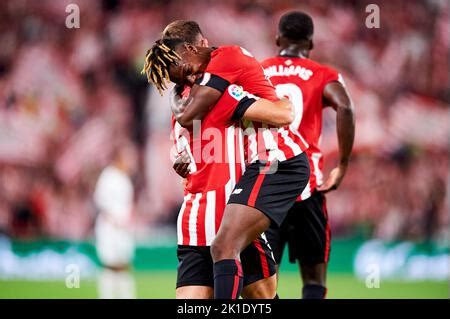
(114, 197)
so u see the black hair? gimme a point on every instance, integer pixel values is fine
(296, 26)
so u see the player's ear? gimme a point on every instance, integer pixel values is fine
(277, 40)
(190, 48)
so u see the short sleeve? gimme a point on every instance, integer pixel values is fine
(242, 107)
(329, 75)
(213, 81)
(227, 65)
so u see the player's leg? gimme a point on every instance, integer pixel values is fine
(259, 269)
(256, 197)
(195, 292)
(231, 239)
(106, 284)
(126, 286)
(116, 282)
(314, 280)
(262, 289)
(194, 273)
(309, 243)
(115, 249)
(277, 239)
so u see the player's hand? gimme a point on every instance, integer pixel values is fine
(334, 179)
(181, 165)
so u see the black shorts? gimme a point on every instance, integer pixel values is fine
(195, 264)
(272, 187)
(306, 231)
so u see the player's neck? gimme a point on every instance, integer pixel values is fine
(294, 51)
(205, 57)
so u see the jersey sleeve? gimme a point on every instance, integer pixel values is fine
(242, 107)
(234, 102)
(226, 66)
(330, 75)
(265, 63)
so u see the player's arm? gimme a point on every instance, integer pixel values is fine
(195, 106)
(208, 89)
(277, 113)
(336, 96)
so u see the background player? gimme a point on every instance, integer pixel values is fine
(114, 197)
(311, 87)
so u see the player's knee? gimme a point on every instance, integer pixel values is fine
(313, 278)
(222, 249)
(261, 289)
(217, 250)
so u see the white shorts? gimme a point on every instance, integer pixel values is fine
(115, 245)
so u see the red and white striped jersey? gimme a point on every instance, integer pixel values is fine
(303, 81)
(235, 65)
(216, 154)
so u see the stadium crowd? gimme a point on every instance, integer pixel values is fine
(70, 97)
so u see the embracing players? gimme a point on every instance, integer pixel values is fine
(311, 87)
(209, 185)
(277, 168)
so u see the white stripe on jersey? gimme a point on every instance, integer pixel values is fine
(192, 165)
(193, 220)
(231, 162)
(180, 143)
(252, 150)
(180, 219)
(183, 145)
(315, 157)
(210, 217)
(272, 146)
(228, 189)
(231, 155)
(241, 149)
(289, 142)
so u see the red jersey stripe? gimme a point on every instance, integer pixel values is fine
(201, 229)
(185, 220)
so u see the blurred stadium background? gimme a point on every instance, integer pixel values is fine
(69, 96)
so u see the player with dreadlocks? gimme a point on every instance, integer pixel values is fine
(157, 61)
(277, 169)
(195, 276)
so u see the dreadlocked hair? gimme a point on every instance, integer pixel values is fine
(158, 60)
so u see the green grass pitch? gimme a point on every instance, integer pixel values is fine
(160, 284)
